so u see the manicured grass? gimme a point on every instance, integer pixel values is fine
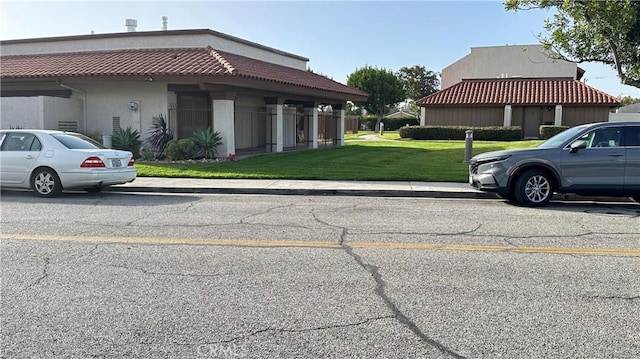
(402, 160)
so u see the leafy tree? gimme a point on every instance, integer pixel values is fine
(383, 86)
(353, 110)
(418, 82)
(606, 31)
(628, 100)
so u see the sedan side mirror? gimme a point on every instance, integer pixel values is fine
(580, 144)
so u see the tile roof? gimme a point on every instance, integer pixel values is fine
(540, 91)
(156, 62)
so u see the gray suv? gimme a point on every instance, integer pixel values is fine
(600, 159)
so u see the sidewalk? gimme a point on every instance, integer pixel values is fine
(303, 187)
(323, 188)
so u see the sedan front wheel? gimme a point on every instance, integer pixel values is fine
(533, 188)
(46, 183)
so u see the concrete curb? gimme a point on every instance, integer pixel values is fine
(347, 192)
(307, 192)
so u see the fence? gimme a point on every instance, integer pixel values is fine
(254, 129)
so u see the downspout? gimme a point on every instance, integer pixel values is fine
(84, 103)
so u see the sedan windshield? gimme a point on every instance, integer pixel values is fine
(76, 141)
(561, 138)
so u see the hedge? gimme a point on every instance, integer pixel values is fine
(390, 124)
(547, 132)
(512, 133)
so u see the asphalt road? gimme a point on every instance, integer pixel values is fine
(223, 276)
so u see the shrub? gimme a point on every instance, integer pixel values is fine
(390, 124)
(128, 140)
(147, 154)
(159, 135)
(459, 133)
(206, 142)
(546, 131)
(179, 150)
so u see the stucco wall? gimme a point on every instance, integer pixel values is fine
(617, 117)
(526, 61)
(40, 112)
(105, 101)
(57, 109)
(24, 112)
(162, 40)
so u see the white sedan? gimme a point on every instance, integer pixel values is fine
(49, 161)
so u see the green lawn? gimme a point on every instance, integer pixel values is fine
(401, 160)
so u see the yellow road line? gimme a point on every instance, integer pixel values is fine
(630, 252)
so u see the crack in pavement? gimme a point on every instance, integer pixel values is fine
(611, 297)
(344, 230)
(304, 330)
(45, 274)
(381, 293)
(401, 317)
(243, 219)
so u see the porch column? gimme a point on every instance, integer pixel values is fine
(274, 108)
(224, 122)
(423, 116)
(558, 116)
(311, 110)
(338, 114)
(507, 116)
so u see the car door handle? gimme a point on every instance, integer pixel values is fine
(615, 154)
(30, 157)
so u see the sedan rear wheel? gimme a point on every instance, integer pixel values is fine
(46, 183)
(533, 188)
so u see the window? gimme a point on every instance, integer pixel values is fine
(603, 137)
(18, 141)
(632, 137)
(77, 141)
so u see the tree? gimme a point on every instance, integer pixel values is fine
(628, 100)
(383, 86)
(418, 82)
(606, 31)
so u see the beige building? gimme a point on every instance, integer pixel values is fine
(514, 86)
(511, 61)
(258, 98)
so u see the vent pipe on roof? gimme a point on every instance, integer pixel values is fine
(164, 23)
(131, 25)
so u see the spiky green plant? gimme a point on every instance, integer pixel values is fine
(207, 142)
(159, 135)
(127, 140)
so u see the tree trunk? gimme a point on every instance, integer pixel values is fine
(378, 120)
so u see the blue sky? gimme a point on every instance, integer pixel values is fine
(338, 37)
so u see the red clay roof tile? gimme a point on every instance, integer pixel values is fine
(540, 91)
(187, 61)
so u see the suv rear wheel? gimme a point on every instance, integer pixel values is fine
(533, 188)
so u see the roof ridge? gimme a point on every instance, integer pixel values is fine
(515, 79)
(151, 49)
(230, 69)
